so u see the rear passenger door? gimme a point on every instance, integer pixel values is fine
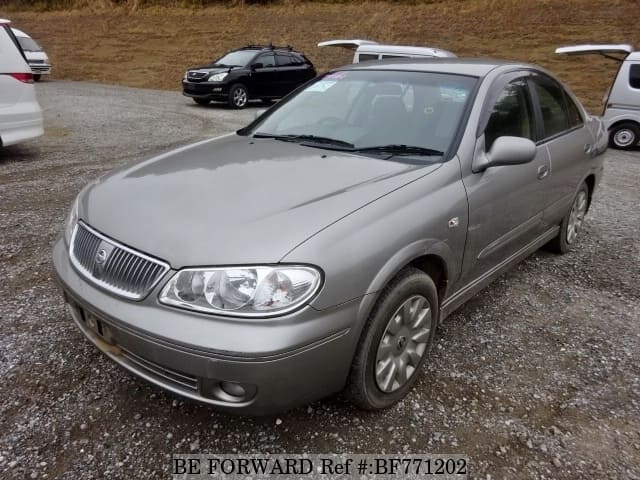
(570, 144)
(290, 73)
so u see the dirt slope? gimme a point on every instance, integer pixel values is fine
(152, 47)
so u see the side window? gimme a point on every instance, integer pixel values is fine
(575, 118)
(552, 104)
(394, 56)
(284, 60)
(267, 60)
(297, 60)
(634, 76)
(364, 57)
(511, 115)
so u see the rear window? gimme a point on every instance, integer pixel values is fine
(552, 105)
(284, 60)
(364, 57)
(634, 76)
(575, 118)
(28, 44)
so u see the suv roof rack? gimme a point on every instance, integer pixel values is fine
(271, 46)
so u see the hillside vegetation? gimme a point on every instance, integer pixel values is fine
(146, 44)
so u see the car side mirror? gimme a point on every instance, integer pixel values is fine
(509, 151)
(257, 65)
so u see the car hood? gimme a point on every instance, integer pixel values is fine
(211, 70)
(235, 199)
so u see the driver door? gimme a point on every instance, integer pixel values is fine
(506, 203)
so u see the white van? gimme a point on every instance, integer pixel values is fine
(20, 113)
(622, 105)
(36, 56)
(365, 50)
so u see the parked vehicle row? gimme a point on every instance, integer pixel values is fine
(268, 73)
(318, 248)
(20, 113)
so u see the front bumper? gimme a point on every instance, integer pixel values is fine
(285, 363)
(205, 90)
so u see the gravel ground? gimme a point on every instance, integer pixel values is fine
(536, 377)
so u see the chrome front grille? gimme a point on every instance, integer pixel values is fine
(113, 266)
(197, 76)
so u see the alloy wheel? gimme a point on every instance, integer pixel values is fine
(240, 97)
(403, 344)
(576, 217)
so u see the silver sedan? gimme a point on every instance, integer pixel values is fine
(317, 249)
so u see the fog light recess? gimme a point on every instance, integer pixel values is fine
(232, 392)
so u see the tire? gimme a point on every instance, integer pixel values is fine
(371, 385)
(238, 96)
(201, 101)
(624, 136)
(571, 223)
(37, 77)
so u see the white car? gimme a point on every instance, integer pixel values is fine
(365, 50)
(36, 56)
(20, 113)
(622, 103)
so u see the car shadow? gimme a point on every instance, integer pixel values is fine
(19, 153)
(253, 105)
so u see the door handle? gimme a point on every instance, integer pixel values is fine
(543, 171)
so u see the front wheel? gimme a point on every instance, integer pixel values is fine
(395, 341)
(624, 136)
(238, 96)
(572, 222)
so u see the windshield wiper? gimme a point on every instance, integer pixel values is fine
(307, 138)
(399, 149)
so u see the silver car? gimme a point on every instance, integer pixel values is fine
(317, 249)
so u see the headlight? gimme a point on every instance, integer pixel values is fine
(70, 222)
(242, 291)
(185, 75)
(218, 77)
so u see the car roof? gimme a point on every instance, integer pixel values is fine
(404, 49)
(370, 46)
(477, 67)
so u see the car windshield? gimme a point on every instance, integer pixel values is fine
(28, 44)
(377, 112)
(238, 58)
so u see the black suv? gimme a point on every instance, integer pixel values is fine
(252, 72)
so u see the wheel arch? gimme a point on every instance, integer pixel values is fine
(591, 185)
(435, 258)
(622, 121)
